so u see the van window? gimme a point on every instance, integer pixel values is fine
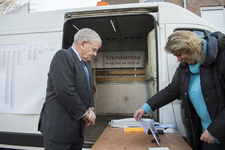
(200, 33)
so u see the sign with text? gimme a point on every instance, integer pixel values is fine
(119, 59)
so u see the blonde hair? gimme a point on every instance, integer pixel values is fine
(185, 41)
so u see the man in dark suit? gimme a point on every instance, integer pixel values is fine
(69, 100)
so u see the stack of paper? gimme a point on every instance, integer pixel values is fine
(129, 122)
(167, 128)
(163, 126)
(130, 125)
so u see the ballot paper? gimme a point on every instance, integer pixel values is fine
(158, 148)
(144, 125)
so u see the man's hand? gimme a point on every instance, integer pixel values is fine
(207, 137)
(138, 114)
(90, 117)
(86, 119)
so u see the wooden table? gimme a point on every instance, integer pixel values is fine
(117, 139)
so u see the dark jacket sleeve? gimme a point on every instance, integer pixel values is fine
(166, 95)
(62, 75)
(217, 127)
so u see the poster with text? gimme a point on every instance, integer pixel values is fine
(23, 75)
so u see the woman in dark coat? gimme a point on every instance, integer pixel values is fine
(201, 84)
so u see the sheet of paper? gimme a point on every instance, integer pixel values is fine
(165, 126)
(169, 131)
(131, 122)
(144, 125)
(158, 148)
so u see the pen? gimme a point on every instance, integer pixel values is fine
(165, 128)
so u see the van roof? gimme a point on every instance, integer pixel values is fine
(39, 21)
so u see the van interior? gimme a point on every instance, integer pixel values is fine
(119, 91)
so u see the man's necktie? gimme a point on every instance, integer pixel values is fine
(85, 69)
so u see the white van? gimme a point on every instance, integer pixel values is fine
(131, 65)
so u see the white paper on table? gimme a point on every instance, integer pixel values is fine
(158, 148)
(144, 125)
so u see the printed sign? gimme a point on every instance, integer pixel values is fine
(126, 59)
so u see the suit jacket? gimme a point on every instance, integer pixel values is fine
(67, 98)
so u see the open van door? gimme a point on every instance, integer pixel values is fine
(151, 70)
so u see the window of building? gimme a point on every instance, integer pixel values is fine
(215, 16)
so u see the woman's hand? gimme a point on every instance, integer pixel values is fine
(207, 137)
(138, 114)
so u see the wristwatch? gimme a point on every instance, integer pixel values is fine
(92, 108)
